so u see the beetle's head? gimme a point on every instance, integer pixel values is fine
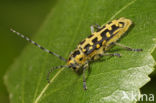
(76, 60)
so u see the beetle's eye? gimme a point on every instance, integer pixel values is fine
(81, 58)
(69, 59)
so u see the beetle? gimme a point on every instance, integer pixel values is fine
(93, 47)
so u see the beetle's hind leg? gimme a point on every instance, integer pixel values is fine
(95, 26)
(112, 54)
(128, 48)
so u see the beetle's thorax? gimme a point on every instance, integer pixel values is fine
(76, 59)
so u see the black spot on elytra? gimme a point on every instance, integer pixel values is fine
(94, 40)
(114, 28)
(103, 34)
(122, 23)
(87, 46)
(77, 52)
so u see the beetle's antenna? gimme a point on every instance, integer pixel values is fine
(51, 70)
(41, 47)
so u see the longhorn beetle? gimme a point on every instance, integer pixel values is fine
(93, 47)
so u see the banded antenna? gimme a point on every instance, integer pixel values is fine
(36, 44)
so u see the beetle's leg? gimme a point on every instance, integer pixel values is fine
(127, 48)
(84, 77)
(96, 26)
(112, 54)
(96, 57)
(105, 54)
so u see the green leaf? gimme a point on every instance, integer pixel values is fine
(65, 27)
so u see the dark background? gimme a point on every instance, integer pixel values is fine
(27, 16)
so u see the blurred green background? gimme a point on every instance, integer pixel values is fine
(27, 16)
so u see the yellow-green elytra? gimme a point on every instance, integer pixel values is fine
(93, 47)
